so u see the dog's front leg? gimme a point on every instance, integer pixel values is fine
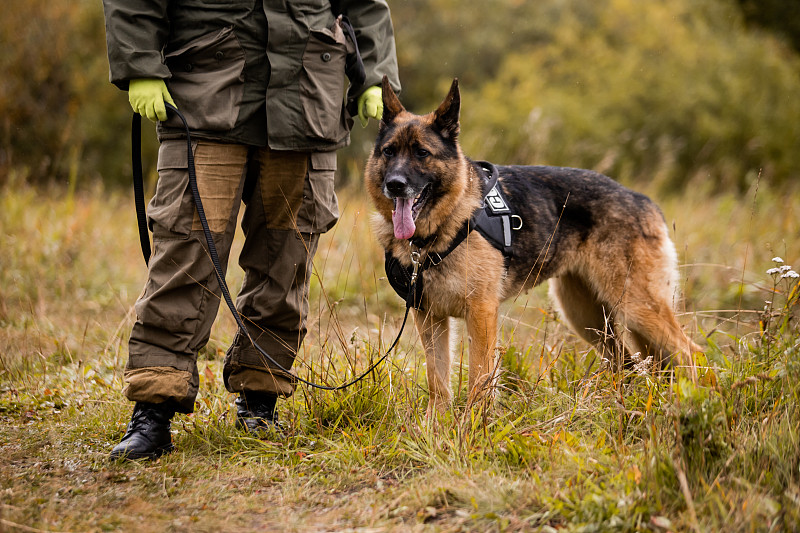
(435, 334)
(481, 319)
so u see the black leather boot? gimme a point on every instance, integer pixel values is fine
(255, 412)
(148, 434)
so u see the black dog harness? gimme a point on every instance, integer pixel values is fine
(494, 220)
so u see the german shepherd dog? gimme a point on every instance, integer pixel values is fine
(605, 248)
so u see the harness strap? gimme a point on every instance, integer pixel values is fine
(494, 220)
(434, 258)
(493, 173)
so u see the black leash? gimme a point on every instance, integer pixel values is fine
(144, 237)
(138, 185)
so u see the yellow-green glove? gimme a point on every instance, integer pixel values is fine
(370, 104)
(147, 97)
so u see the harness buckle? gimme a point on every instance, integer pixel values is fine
(519, 221)
(434, 258)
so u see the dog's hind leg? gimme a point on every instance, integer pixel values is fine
(586, 315)
(435, 334)
(647, 308)
(656, 333)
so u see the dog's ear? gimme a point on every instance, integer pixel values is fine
(445, 118)
(391, 103)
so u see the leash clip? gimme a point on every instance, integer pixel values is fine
(415, 255)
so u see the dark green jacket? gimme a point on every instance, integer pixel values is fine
(259, 72)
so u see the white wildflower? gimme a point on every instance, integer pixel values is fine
(791, 274)
(783, 269)
(643, 366)
(777, 260)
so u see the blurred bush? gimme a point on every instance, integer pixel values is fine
(60, 118)
(680, 92)
(675, 91)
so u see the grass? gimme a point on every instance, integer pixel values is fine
(567, 446)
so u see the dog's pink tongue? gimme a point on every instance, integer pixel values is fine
(401, 218)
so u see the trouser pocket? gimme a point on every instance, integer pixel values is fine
(169, 212)
(320, 209)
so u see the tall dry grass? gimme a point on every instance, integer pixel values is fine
(568, 444)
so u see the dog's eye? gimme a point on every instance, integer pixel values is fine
(388, 151)
(422, 153)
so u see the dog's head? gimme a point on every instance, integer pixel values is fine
(416, 167)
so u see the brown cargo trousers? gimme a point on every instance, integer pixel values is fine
(289, 199)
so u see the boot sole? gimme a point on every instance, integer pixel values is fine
(125, 455)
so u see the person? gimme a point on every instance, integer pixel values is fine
(263, 88)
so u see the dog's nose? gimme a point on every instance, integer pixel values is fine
(396, 184)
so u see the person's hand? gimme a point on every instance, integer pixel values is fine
(147, 97)
(370, 104)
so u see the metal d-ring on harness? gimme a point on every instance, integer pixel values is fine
(212, 249)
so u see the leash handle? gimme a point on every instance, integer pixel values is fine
(136, 154)
(138, 185)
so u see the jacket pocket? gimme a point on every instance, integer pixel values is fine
(207, 81)
(322, 84)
